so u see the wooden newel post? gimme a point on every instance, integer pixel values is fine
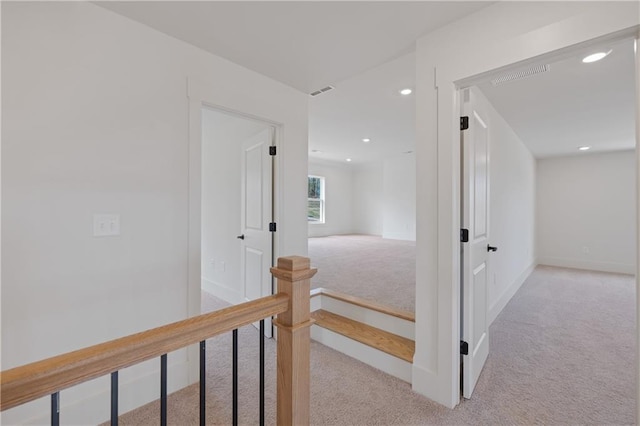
(294, 337)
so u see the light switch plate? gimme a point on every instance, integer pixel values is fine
(106, 225)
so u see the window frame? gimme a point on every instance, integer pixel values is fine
(322, 219)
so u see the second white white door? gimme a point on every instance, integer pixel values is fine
(256, 215)
(475, 252)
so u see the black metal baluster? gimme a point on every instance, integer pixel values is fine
(235, 377)
(55, 409)
(262, 372)
(163, 390)
(203, 395)
(114, 398)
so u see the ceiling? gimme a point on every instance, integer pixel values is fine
(553, 113)
(366, 106)
(574, 104)
(366, 51)
(304, 44)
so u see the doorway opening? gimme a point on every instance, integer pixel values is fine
(362, 186)
(568, 202)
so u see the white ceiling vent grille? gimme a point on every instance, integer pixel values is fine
(518, 75)
(323, 90)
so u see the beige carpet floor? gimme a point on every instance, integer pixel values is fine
(562, 353)
(366, 266)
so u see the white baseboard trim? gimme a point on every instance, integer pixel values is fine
(509, 292)
(621, 268)
(375, 358)
(428, 384)
(316, 303)
(95, 407)
(221, 291)
(404, 236)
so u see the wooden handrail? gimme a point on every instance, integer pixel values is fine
(28, 382)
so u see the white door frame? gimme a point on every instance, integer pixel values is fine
(202, 96)
(637, 50)
(446, 68)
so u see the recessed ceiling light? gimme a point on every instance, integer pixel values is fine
(595, 57)
(348, 160)
(406, 92)
(366, 140)
(584, 148)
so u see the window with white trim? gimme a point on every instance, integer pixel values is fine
(315, 203)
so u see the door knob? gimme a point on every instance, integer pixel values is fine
(240, 237)
(490, 248)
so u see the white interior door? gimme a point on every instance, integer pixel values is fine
(475, 259)
(256, 215)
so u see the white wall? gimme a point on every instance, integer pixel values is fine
(399, 198)
(338, 180)
(376, 198)
(96, 120)
(495, 37)
(222, 137)
(586, 211)
(512, 210)
(367, 198)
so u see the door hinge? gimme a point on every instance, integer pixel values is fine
(272, 227)
(272, 150)
(464, 123)
(464, 235)
(464, 348)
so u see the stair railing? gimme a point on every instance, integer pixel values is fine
(291, 305)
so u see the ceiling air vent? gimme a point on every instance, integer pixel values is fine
(324, 89)
(518, 75)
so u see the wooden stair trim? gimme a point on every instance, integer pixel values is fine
(374, 306)
(384, 341)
